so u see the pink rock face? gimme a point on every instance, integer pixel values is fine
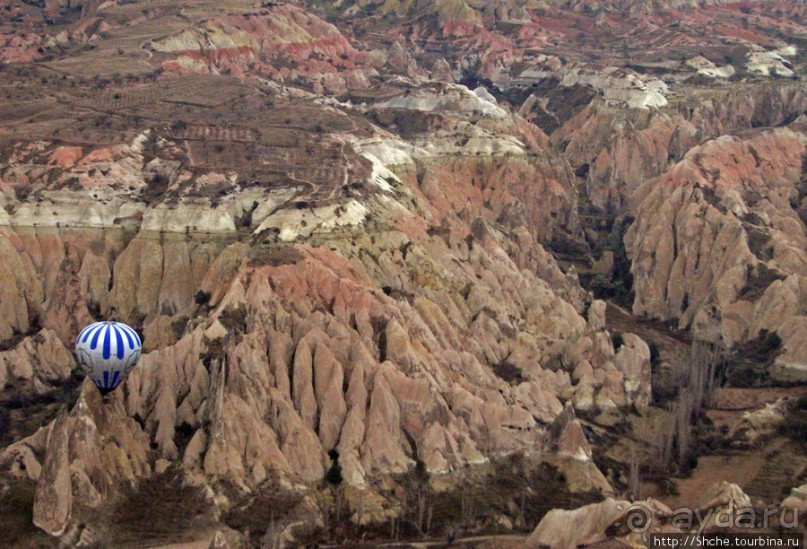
(338, 234)
(20, 49)
(718, 245)
(269, 40)
(583, 526)
(624, 148)
(603, 522)
(35, 363)
(66, 157)
(87, 452)
(379, 344)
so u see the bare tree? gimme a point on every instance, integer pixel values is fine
(395, 529)
(424, 510)
(697, 379)
(271, 538)
(634, 478)
(699, 392)
(468, 510)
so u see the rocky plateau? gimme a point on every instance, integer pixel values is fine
(403, 270)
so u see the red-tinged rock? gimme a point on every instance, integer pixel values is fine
(66, 157)
(383, 447)
(89, 450)
(714, 244)
(302, 384)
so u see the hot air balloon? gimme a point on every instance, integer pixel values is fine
(107, 352)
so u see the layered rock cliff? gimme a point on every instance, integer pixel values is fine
(620, 149)
(349, 233)
(418, 321)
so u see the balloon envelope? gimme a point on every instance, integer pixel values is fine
(107, 352)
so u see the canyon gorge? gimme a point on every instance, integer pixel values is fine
(403, 270)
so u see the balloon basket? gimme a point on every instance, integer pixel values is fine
(106, 397)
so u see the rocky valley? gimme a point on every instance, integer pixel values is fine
(488, 273)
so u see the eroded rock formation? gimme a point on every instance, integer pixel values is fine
(728, 242)
(423, 324)
(349, 235)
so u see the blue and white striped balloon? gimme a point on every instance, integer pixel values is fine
(107, 352)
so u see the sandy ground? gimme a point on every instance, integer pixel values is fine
(739, 469)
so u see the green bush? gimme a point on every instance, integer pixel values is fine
(655, 354)
(334, 474)
(617, 340)
(749, 365)
(795, 425)
(508, 372)
(202, 297)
